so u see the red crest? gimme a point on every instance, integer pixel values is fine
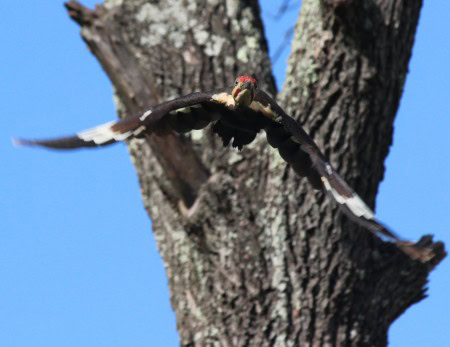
(247, 79)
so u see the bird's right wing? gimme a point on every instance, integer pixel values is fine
(193, 111)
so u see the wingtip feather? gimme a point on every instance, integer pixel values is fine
(18, 142)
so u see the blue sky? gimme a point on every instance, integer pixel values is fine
(78, 262)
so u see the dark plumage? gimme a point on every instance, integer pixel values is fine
(237, 113)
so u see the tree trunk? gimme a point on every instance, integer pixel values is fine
(253, 255)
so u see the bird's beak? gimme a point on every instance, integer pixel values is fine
(236, 91)
(243, 93)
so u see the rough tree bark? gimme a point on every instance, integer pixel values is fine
(253, 255)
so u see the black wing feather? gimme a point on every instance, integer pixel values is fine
(153, 119)
(197, 110)
(300, 150)
(69, 142)
(240, 124)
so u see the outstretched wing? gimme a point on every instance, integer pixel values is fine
(298, 149)
(241, 124)
(193, 111)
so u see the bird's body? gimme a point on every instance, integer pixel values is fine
(237, 115)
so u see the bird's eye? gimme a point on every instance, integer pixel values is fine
(236, 82)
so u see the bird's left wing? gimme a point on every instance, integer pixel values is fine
(193, 111)
(300, 150)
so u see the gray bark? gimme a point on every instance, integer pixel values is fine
(253, 255)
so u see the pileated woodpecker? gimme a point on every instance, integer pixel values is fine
(237, 114)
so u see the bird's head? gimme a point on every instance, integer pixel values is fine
(244, 90)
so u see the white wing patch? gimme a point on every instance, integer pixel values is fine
(145, 115)
(102, 134)
(354, 203)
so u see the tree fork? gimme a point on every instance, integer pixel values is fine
(260, 259)
(137, 92)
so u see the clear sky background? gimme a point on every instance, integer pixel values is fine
(78, 263)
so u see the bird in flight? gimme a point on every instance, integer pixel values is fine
(237, 114)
